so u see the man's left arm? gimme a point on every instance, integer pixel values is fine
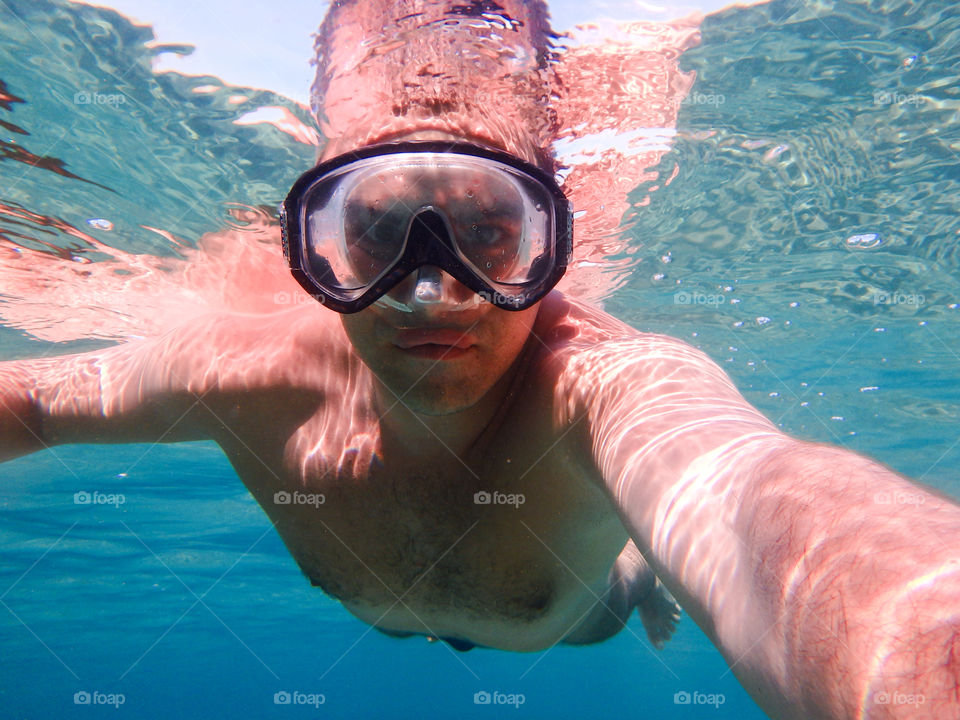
(829, 583)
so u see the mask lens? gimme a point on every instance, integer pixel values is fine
(373, 237)
(356, 229)
(501, 224)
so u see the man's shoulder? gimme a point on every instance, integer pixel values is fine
(578, 329)
(232, 351)
(612, 373)
(586, 352)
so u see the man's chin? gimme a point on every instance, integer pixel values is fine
(442, 398)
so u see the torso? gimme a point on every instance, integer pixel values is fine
(405, 546)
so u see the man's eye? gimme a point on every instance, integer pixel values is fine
(370, 227)
(490, 232)
(485, 234)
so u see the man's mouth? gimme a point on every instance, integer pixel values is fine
(434, 343)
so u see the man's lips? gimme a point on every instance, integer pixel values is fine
(443, 337)
(434, 343)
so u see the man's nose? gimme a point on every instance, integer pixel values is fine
(430, 289)
(432, 286)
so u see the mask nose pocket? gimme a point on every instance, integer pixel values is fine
(428, 229)
(428, 225)
(429, 287)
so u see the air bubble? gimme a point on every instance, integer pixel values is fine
(866, 241)
(100, 224)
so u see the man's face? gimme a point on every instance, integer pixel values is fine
(437, 360)
(437, 357)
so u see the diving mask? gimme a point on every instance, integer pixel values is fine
(354, 227)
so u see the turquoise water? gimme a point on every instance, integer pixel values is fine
(812, 226)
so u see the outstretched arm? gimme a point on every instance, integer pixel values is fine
(127, 393)
(21, 426)
(184, 385)
(830, 584)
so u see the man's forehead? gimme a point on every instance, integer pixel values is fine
(437, 69)
(332, 149)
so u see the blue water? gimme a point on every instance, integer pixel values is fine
(183, 599)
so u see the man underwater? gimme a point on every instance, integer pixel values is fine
(500, 465)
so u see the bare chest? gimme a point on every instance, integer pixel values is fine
(468, 550)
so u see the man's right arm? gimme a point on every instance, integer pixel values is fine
(176, 387)
(21, 426)
(125, 393)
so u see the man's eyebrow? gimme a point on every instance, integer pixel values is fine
(495, 208)
(370, 203)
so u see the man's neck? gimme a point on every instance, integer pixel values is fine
(414, 437)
